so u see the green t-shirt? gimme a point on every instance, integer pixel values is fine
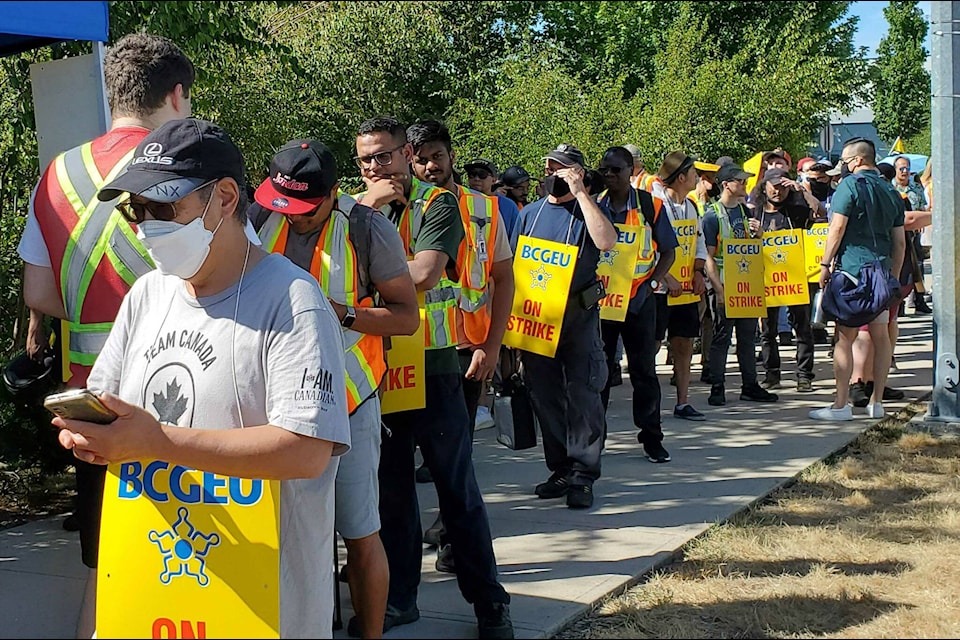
(442, 230)
(866, 238)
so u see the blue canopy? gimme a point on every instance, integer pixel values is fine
(26, 25)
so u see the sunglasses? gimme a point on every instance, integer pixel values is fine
(136, 212)
(478, 174)
(903, 168)
(384, 158)
(610, 171)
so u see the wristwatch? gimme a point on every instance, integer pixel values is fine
(700, 270)
(349, 318)
(654, 284)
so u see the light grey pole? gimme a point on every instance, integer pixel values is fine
(945, 134)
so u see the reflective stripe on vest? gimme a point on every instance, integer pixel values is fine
(479, 214)
(100, 230)
(726, 231)
(334, 265)
(646, 252)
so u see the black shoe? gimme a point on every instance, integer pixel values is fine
(687, 412)
(859, 396)
(432, 535)
(395, 617)
(717, 396)
(353, 627)
(556, 486)
(673, 380)
(493, 620)
(445, 559)
(655, 452)
(705, 377)
(71, 523)
(616, 376)
(890, 393)
(344, 574)
(756, 393)
(423, 474)
(580, 496)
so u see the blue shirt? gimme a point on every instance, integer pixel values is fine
(867, 237)
(509, 212)
(561, 223)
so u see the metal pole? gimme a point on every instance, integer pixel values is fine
(945, 133)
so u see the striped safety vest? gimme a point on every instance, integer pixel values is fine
(646, 252)
(726, 231)
(335, 267)
(91, 288)
(480, 215)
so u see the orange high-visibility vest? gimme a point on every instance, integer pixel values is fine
(480, 215)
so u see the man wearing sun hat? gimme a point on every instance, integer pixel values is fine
(298, 213)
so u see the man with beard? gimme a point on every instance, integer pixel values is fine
(781, 205)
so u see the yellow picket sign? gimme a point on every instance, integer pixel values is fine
(784, 270)
(682, 268)
(542, 273)
(615, 270)
(814, 246)
(188, 554)
(405, 383)
(743, 278)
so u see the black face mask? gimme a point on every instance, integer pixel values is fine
(844, 170)
(714, 191)
(556, 186)
(820, 190)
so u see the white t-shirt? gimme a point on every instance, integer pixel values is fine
(685, 211)
(283, 357)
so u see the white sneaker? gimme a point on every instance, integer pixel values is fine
(875, 410)
(484, 419)
(829, 414)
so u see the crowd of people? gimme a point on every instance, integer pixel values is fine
(303, 290)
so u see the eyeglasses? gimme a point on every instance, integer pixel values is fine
(384, 158)
(848, 160)
(136, 211)
(903, 168)
(610, 171)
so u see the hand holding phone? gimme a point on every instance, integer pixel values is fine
(79, 404)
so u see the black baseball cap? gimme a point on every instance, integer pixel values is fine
(775, 176)
(567, 155)
(514, 176)
(302, 173)
(732, 171)
(177, 158)
(482, 163)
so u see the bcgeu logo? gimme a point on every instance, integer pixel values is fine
(152, 154)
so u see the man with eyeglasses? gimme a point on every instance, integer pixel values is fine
(357, 257)
(70, 237)
(860, 233)
(481, 176)
(429, 222)
(246, 405)
(629, 205)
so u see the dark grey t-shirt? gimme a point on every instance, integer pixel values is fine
(387, 258)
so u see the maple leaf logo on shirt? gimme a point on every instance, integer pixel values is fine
(170, 405)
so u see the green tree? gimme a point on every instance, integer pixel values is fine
(901, 85)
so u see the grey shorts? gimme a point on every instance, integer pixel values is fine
(357, 488)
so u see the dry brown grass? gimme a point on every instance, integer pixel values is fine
(863, 547)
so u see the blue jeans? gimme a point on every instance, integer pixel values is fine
(441, 430)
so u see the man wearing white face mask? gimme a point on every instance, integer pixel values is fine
(246, 341)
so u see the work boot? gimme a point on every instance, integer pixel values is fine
(717, 396)
(556, 486)
(432, 535)
(493, 620)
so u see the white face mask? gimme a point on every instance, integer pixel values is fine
(178, 249)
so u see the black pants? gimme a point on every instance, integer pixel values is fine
(565, 391)
(440, 429)
(90, 481)
(640, 344)
(799, 317)
(723, 329)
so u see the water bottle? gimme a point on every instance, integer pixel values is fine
(818, 321)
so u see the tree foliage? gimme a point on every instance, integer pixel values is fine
(901, 84)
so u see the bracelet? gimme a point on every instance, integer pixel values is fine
(701, 271)
(825, 264)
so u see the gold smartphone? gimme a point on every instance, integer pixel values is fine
(79, 404)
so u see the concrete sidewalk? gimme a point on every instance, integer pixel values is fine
(555, 562)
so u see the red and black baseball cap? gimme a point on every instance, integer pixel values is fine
(302, 173)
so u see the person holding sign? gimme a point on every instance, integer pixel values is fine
(485, 264)
(678, 302)
(785, 211)
(356, 255)
(556, 322)
(428, 219)
(726, 220)
(228, 360)
(637, 213)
